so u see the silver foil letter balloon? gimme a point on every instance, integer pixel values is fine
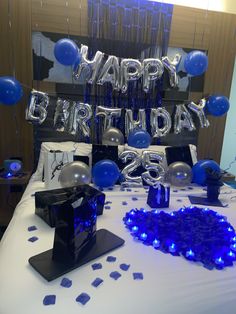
(61, 115)
(131, 124)
(183, 119)
(110, 73)
(136, 161)
(80, 114)
(131, 70)
(166, 122)
(94, 64)
(36, 112)
(199, 110)
(109, 115)
(152, 70)
(147, 158)
(171, 65)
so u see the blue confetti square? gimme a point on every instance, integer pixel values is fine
(49, 300)
(129, 190)
(179, 200)
(134, 198)
(107, 207)
(124, 267)
(124, 203)
(32, 228)
(190, 188)
(175, 191)
(107, 202)
(111, 259)
(97, 266)
(66, 283)
(110, 189)
(138, 276)
(97, 282)
(33, 239)
(83, 298)
(115, 275)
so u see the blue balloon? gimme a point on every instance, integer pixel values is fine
(66, 51)
(139, 138)
(199, 170)
(105, 173)
(10, 90)
(196, 63)
(217, 105)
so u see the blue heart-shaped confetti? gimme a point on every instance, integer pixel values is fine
(199, 234)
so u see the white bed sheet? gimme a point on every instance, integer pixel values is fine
(170, 285)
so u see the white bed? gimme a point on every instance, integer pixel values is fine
(170, 284)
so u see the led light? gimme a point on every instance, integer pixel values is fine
(134, 229)
(190, 253)
(156, 243)
(222, 220)
(9, 175)
(156, 211)
(206, 209)
(172, 248)
(129, 221)
(132, 212)
(233, 247)
(230, 229)
(234, 239)
(172, 214)
(143, 236)
(219, 261)
(231, 254)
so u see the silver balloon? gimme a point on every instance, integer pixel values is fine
(152, 70)
(36, 112)
(131, 124)
(61, 115)
(110, 73)
(109, 114)
(74, 173)
(179, 174)
(166, 122)
(171, 65)
(112, 137)
(199, 110)
(136, 161)
(131, 70)
(183, 119)
(83, 115)
(94, 64)
(147, 163)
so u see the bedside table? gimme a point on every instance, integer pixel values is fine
(11, 191)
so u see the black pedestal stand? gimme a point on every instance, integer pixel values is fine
(76, 240)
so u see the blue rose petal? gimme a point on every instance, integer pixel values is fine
(33, 239)
(138, 276)
(111, 259)
(115, 275)
(96, 266)
(32, 228)
(49, 299)
(124, 267)
(97, 282)
(66, 283)
(83, 298)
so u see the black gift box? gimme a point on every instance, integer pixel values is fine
(47, 202)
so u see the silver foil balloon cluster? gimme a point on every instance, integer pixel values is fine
(120, 73)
